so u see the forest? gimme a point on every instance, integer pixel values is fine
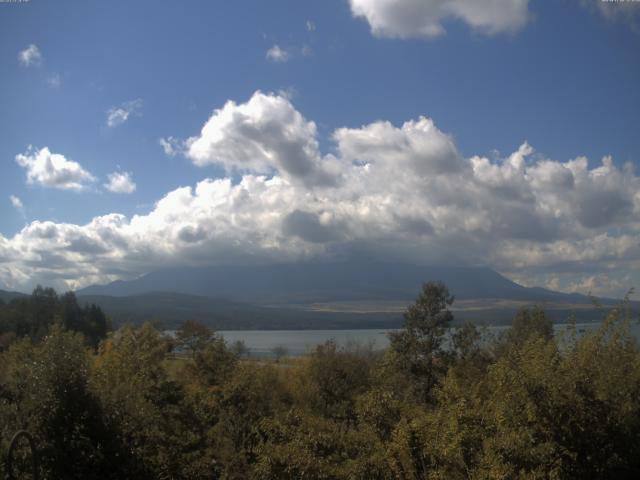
(438, 403)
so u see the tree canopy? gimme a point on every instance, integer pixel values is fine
(439, 403)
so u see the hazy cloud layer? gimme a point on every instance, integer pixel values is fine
(626, 12)
(277, 54)
(118, 115)
(426, 18)
(53, 170)
(389, 192)
(16, 202)
(171, 146)
(54, 80)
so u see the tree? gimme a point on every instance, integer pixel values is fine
(96, 324)
(240, 348)
(251, 394)
(90, 320)
(43, 389)
(331, 379)
(279, 352)
(40, 311)
(213, 364)
(140, 403)
(527, 323)
(194, 336)
(417, 349)
(35, 315)
(302, 445)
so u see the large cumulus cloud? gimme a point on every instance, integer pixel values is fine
(265, 134)
(425, 18)
(390, 192)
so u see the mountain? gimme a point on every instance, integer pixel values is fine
(345, 295)
(171, 309)
(307, 283)
(322, 296)
(6, 296)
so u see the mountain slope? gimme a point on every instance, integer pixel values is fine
(7, 296)
(171, 309)
(324, 282)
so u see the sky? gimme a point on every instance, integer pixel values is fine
(140, 135)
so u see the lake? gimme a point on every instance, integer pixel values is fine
(298, 342)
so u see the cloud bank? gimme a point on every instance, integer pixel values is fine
(390, 192)
(426, 18)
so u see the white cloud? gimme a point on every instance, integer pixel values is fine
(392, 192)
(626, 12)
(54, 80)
(30, 56)
(171, 146)
(120, 182)
(418, 146)
(264, 135)
(16, 202)
(118, 115)
(278, 55)
(53, 170)
(426, 18)
(281, 55)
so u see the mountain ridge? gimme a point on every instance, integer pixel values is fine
(171, 309)
(321, 282)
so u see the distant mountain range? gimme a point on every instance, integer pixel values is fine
(6, 296)
(171, 309)
(344, 295)
(307, 283)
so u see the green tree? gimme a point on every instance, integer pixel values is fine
(303, 445)
(140, 402)
(543, 412)
(279, 352)
(34, 315)
(193, 336)
(331, 379)
(526, 324)
(240, 349)
(213, 364)
(251, 395)
(44, 390)
(90, 320)
(417, 348)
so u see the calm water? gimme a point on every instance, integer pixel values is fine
(299, 342)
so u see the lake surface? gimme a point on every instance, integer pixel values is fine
(261, 343)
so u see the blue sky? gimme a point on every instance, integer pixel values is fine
(562, 76)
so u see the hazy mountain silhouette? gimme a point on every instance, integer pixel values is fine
(326, 282)
(7, 296)
(171, 309)
(318, 295)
